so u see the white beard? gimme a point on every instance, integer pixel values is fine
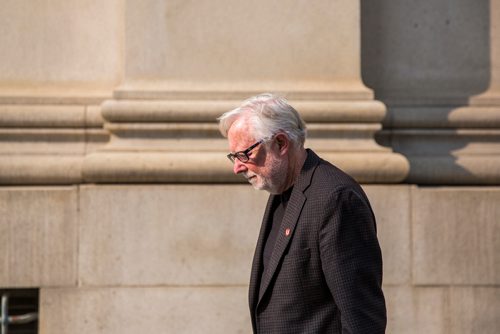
(274, 183)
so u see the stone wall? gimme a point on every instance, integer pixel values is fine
(118, 203)
(128, 258)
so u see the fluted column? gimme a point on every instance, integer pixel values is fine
(188, 62)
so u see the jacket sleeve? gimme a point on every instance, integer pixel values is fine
(352, 262)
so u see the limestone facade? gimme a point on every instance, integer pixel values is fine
(118, 202)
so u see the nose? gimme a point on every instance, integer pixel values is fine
(239, 167)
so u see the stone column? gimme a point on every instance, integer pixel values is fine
(58, 63)
(485, 109)
(436, 67)
(492, 96)
(188, 62)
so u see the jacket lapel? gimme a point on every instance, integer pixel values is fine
(290, 219)
(256, 273)
(285, 234)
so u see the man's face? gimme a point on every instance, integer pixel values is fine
(266, 169)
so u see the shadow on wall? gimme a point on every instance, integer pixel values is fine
(424, 60)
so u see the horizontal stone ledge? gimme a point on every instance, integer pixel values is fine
(442, 142)
(354, 143)
(148, 167)
(211, 130)
(445, 132)
(345, 89)
(56, 141)
(54, 95)
(443, 117)
(50, 116)
(164, 130)
(50, 134)
(40, 169)
(357, 111)
(41, 116)
(213, 167)
(152, 94)
(41, 134)
(472, 169)
(489, 98)
(424, 100)
(126, 166)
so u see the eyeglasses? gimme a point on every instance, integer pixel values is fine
(243, 155)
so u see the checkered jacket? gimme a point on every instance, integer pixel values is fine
(325, 272)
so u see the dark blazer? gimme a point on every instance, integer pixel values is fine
(325, 272)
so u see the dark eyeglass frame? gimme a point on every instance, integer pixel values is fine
(243, 155)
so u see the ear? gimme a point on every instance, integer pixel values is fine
(283, 143)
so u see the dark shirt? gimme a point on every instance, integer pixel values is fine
(279, 208)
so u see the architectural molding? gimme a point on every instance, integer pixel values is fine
(458, 146)
(46, 143)
(178, 140)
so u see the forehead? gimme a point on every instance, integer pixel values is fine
(240, 135)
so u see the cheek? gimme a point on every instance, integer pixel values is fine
(268, 167)
(260, 171)
(255, 170)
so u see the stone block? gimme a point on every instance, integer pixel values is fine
(166, 310)
(391, 205)
(168, 234)
(456, 233)
(201, 60)
(475, 310)
(416, 310)
(58, 43)
(38, 236)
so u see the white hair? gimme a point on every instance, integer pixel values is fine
(268, 115)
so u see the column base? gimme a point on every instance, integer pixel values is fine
(46, 143)
(447, 146)
(177, 141)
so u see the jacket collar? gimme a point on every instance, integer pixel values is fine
(285, 234)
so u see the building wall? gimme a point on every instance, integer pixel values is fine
(128, 258)
(116, 199)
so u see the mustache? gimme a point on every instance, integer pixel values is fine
(248, 175)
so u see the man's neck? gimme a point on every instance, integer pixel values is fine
(296, 162)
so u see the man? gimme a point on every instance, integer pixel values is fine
(317, 266)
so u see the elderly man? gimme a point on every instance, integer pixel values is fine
(317, 266)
